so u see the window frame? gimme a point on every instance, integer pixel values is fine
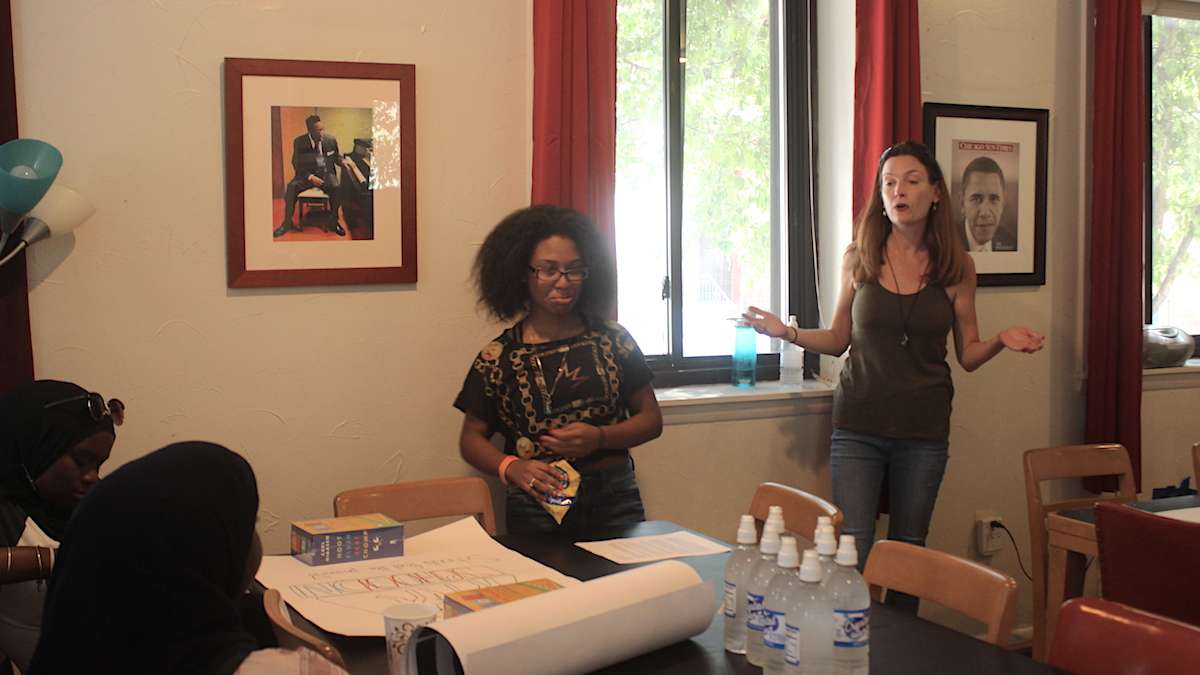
(793, 209)
(1148, 179)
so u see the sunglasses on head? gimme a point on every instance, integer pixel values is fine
(96, 407)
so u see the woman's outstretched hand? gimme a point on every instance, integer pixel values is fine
(1022, 339)
(765, 323)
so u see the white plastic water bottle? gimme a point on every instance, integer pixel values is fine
(826, 549)
(851, 613)
(791, 359)
(736, 569)
(756, 588)
(809, 630)
(776, 603)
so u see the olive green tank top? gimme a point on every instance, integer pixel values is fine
(891, 386)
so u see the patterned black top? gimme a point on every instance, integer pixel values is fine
(523, 390)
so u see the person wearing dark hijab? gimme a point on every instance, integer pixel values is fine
(152, 568)
(53, 438)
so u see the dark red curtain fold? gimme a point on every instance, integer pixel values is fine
(887, 95)
(887, 85)
(1114, 385)
(575, 106)
(16, 345)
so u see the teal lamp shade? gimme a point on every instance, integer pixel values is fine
(27, 168)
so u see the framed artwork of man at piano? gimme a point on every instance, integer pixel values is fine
(320, 173)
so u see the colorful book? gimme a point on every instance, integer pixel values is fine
(334, 540)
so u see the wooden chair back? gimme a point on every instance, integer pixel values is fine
(982, 593)
(417, 499)
(1196, 466)
(800, 509)
(1102, 637)
(1058, 463)
(25, 563)
(290, 635)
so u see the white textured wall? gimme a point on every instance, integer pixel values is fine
(1023, 54)
(321, 388)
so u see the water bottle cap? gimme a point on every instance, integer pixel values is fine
(770, 541)
(847, 554)
(789, 557)
(774, 510)
(810, 569)
(826, 544)
(792, 322)
(824, 520)
(746, 534)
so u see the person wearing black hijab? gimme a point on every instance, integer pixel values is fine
(53, 438)
(152, 566)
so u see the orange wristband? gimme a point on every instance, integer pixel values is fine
(508, 459)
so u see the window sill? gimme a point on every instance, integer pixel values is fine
(722, 402)
(1186, 376)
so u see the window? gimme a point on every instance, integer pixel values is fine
(1173, 173)
(713, 193)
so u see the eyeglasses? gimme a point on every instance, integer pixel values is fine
(574, 275)
(96, 407)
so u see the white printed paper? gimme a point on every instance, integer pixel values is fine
(1191, 515)
(653, 547)
(349, 598)
(578, 629)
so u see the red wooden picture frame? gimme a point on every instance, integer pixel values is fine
(317, 273)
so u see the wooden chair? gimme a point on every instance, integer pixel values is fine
(1196, 466)
(417, 499)
(1149, 561)
(980, 592)
(800, 509)
(290, 635)
(1101, 637)
(1068, 461)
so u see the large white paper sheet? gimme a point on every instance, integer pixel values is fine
(349, 598)
(653, 547)
(581, 628)
(1191, 515)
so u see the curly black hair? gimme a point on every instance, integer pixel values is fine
(501, 269)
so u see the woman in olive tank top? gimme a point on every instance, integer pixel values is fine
(906, 283)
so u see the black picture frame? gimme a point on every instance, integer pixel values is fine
(968, 136)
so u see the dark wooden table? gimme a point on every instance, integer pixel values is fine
(901, 644)
(1070, 539)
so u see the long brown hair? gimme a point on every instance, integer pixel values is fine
(947, 256)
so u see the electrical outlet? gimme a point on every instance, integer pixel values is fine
(987, 538)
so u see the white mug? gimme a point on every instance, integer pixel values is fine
(399, 623)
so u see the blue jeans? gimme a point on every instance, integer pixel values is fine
(914, 469)
(606, 499)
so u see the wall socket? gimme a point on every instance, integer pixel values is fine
(987, 538)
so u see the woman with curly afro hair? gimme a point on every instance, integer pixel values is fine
(561, 383)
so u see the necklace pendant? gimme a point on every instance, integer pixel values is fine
(904, 340)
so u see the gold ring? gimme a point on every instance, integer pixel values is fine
(531, 482)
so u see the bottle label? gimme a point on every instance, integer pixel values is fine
(729, 607)
(774, 629)
(791, 648)
(851, 627)
(754, 612)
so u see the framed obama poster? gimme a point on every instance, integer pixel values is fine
(995, 165)
(320, 173)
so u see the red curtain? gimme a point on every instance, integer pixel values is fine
(1114, 385)
(887, 86)
(16, 347)
(575, 106)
